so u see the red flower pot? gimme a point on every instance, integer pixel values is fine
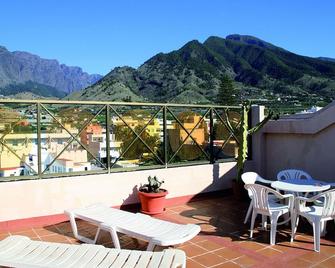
(152, 203)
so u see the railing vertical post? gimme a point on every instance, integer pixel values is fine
(256, 143)
(211, 135)
(165, 136)
(39, 149)
(108, 138)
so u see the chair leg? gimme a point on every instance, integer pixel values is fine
(96, 235)
(316, 231)
(248, 213)
(274, 220)
(76, 233)
(253, 218)
(73, 225)
(115, 238)
(151, 246)
(286, 218)
(294, 225)
(323, 228)
(264, 222)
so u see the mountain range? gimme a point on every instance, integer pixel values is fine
(22, 72)
(192, 74)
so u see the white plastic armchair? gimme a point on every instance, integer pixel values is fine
(252, 178)
(261, 205)
(316, 215)
(293, 174)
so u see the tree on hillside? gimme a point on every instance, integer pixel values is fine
(137, 150)
(227, 94)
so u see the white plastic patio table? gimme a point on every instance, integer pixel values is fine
(300, 187)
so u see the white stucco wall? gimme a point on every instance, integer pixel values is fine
(25, 199)
(304, 142)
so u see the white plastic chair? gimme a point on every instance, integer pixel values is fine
(261, 205)
(298, 176)
(252, 178)
(293, 174)
(316, 215)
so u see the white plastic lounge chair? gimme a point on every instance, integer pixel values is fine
(261, 205)
(252, 178)
(317, 215)
(156, 232)
(20, 251)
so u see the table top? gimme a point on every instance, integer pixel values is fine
(300, 186)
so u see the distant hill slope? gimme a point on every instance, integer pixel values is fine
(35, 89)
(326, 59)
(192, 74)
(115, 86)
(20, 69)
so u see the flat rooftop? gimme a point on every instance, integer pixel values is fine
(223, 241)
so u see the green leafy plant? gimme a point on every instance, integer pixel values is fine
(153, 185)
(242, 132)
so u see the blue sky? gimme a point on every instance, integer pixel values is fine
(99, 35)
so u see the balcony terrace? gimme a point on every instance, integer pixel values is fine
(223, 241)
(62, 155)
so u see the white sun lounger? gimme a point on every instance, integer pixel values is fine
(20, 251)
(156, 232)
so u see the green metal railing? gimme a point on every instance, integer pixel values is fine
(133, 136)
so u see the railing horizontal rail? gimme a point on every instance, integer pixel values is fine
(115, 103)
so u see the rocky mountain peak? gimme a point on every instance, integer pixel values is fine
(251, 40)
(20, 67)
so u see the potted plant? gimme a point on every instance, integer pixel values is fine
(242, 133)
(152, 197)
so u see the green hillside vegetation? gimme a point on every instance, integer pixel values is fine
(194, 74)
(32, 89)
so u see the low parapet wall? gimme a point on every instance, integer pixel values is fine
(304, 141)
(34, 198)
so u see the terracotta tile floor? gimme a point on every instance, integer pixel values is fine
(223, 241)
